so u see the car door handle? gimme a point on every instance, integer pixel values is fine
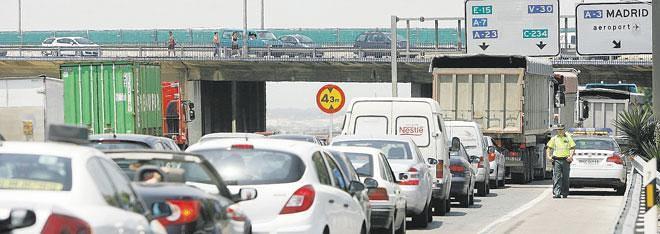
(345, 205)
(331, 201)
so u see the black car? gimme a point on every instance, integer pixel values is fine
(294, 137)
(376, 43)
(105, 142)
(301, 45)
(198, 197)
(463, 174)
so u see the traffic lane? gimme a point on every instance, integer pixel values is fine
(584, 211)
(485, 209)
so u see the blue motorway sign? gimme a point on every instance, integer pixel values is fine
(484, 34)
(593, 14)
(540, 9)
(480, 22)
(535, 33)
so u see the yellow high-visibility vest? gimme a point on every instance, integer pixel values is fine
(561, 146)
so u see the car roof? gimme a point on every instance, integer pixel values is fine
(126, 137)
(152, 154)
(593, 137)
(297, 136)
(48, 148)
(355, 149)
(374, 138)
(299, 148)
(230, 135)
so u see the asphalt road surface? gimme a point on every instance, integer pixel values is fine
(530, 208)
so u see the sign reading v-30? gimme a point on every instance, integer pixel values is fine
(614, 28)
(512, 27)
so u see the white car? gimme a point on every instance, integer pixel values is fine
(69, 187)
(229, 135)
(70, 46)
(300, 187)
(388, 204)
(412, 173)
(472, 139)
(497, 163)
(598, 163)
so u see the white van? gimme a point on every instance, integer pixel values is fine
(472, 138)
(418, 118)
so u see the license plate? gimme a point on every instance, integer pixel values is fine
(590, 162)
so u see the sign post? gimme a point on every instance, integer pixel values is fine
(615, 28)
(330, 99)
(512, 27)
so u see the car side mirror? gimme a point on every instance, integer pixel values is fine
(585, 110)
(245, 194)
(491, 149)
(432, 161)
(474, 159)
(160, 210)
(455, 144)
(355, 187)
(370, 183)
(18, 218)
(191, 115)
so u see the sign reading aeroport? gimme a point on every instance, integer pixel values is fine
(613, 28)
(512, 27)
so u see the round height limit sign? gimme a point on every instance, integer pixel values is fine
(330, 99)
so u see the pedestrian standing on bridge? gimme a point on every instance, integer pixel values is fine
(216, 44)
(171, 42)
(234, 43)
(561, 149)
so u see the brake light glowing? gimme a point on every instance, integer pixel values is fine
(57, 223)
(183, 211)
(440, 169)
(457, 168)
(301, 200)
(378, 194)
(409, 178)
(491, 157)
(513, 154)
(242, 146)
(615, 158)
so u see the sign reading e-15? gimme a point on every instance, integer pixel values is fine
(512, 27)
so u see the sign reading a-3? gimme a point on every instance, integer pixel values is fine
(616, 28)
(512, 27)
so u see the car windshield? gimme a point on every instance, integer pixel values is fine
(173, 171)
(304, 39)
(392, 149)
(35, 172)
(594, 144)
(49, 41)
(115, 145)
(266, 36)
(363, 163)
(84, 41)
(255, 167)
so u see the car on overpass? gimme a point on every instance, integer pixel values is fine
(257, 39)
(301, 46)
(69, 46)
(376, 44)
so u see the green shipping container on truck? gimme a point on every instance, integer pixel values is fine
(113, 97)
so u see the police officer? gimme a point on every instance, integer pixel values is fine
(561, 149)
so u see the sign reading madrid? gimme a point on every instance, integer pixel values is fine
(615, 28)
(512, 27)
(330, 99)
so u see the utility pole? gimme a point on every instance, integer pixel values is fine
(655, 90)
(393, 56)
(20, 20)
(245, 32)
(262, 15)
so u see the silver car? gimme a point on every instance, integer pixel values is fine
(413, 174)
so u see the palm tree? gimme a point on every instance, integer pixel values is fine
(638, 125)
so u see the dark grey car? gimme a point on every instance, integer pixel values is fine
(300, 45)
(106, 142)
(376, 43)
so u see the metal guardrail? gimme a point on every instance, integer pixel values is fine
(633, 209)
(420, 53)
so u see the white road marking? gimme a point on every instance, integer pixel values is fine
(488, 229)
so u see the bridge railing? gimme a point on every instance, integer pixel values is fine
(631, 218)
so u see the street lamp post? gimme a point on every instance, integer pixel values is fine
(262, 14)
(245, 49)
(20, 26)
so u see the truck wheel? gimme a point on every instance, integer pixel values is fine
(518, 178)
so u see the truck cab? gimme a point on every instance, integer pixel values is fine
(417, 118)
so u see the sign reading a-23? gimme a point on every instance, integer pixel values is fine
(512, 27)
(615, 28)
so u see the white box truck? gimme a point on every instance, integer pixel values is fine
(28, 105)
(512, 98)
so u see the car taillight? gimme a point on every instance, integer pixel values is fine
(615, 158)
(481, 163)
(439, 169)
(513, 154)
(301, 200)
(58, 223)
(379, 194)
(235, 214)
(491, 157)
(457, 168)
(409, 178)
(183, 211)
(242, 146)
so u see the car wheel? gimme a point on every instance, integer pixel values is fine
(448, 205)
(421, 219)
(402, 227)
(472, 198)
(439, 207)
(465, 200)
(364, 229)
(430, 214)
(326, 230)
(481, 189)
(488, 188)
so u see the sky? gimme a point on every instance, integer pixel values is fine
(147, 14)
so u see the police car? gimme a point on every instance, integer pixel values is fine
(598, 161)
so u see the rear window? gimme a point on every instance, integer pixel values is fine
(49, 41)
(363, 163)
(35, 172)
(115, 145)
(255, 167)
(370, 125)
(595, 144)
(392, 149)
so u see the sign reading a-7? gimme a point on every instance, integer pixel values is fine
(482, 10)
